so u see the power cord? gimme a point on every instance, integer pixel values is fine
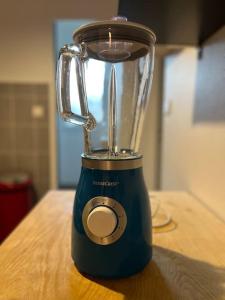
(160, 217)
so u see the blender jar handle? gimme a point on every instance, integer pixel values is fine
(67, 54)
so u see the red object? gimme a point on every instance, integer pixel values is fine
(16, 200)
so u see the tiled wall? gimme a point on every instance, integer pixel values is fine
(24, 145)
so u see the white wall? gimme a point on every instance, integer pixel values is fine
(26, 44)
(193, 153)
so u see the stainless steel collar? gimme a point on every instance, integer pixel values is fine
(112, 164)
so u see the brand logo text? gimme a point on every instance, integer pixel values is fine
(106, 183)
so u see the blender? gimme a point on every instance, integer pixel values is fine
(111, 223)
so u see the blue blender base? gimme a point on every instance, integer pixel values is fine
(133, 250)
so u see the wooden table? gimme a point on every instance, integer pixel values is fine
(188, 262)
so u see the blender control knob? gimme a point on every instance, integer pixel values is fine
(102, 221)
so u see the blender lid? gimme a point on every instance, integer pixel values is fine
(118, 29)
(115, 40)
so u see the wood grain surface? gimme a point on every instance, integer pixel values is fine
(188, 261)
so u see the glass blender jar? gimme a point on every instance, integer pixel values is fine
(111, 227)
